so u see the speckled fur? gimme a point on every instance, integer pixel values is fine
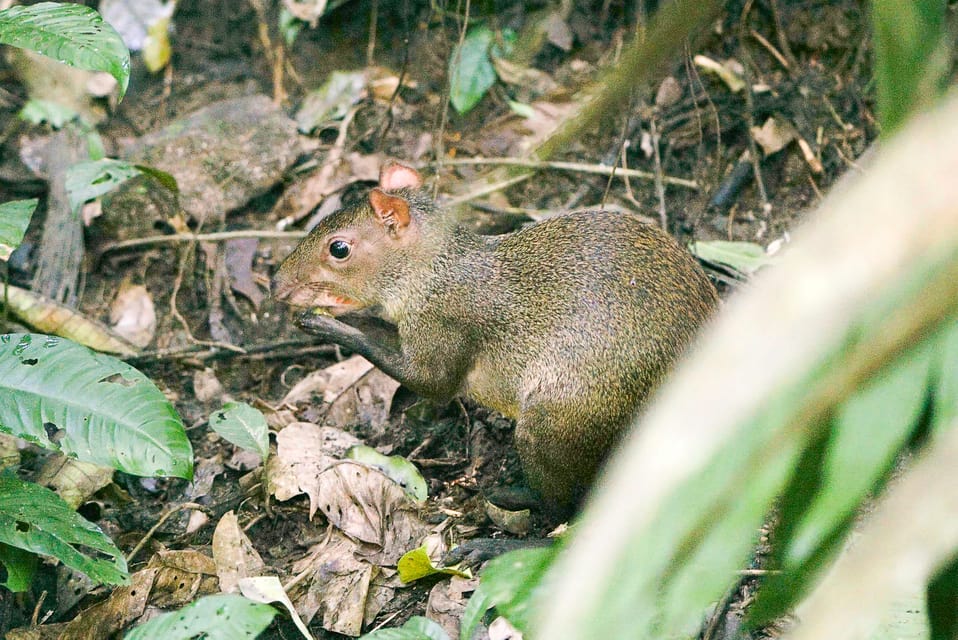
(565, 326)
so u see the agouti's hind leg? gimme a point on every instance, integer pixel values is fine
(560, 451)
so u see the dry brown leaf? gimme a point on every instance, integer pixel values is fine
(117, 612)
(47, 316)
(303, 196)
(774, 135)
(73, 480)
(239, 268)
(335, 583)
(234, 554)
(447, 601)
(357, 393)
(9, 451)
(132, 314)
(207, 387)
(204, 473)
(366, 505)
(181, 577)
(303, 451)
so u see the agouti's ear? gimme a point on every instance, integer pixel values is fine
(396, 176)
(392, 211)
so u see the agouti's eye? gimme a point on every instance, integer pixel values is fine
(339, 249)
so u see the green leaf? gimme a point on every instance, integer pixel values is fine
(399, 470)
(416, 628)
(53, 113)
(20, 565)
(218, 617)
(36, 519)
(512, 581)
(912, 56)
(417, 564)
(14, 218)
(243, 426)
(744, 257)
(476, 608)
(289, 25)
(69, 33)
(91, 179)
(945, 398)
(60, 395)
(471, 73)
(869, 432)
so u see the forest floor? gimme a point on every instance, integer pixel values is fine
(805, 69)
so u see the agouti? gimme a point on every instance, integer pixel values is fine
(565, 326)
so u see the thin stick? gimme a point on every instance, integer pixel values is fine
(218, 236)
(159, 523)
(572, 166)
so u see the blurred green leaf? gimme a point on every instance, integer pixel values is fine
(510, 583)
(69, 33)
(945, 397)
(471, 73)
(53, 113)
(912, 56)
(14, 219)
(217, 617)
(36, 519)
(243, 426)
(88, 180)
(416, 628)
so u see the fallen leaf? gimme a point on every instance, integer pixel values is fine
(73, 480)
(774, 135)
(447, 601)
(303, 451)
(133, 315)
(266, 590)
(335, 584)
(233, 554)
(181, 577)
(239, 268)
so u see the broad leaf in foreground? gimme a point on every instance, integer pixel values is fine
(60, 395)
(69, 33)
(36, 519)
(217, 617)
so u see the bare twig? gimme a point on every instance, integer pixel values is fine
(572, 166)
(159, 523)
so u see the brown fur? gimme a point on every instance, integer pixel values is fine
(565, 326)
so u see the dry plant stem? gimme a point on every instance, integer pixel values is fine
(659, 178)
(750, 114)
(34, 619)
(782, 36)
(159, 523)
(219, 236)
(486, 189)
(578, 167)
(845, 259)
(440, 150)
(771, 49)
(371, 46)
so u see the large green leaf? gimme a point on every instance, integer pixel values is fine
(471, 73)
(945, 399)
(217, 617)
(69, 33)
(60, 395)
(91, 179)
(38, 520)
(14, 218)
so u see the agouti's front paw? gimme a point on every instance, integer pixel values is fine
(322, 325)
